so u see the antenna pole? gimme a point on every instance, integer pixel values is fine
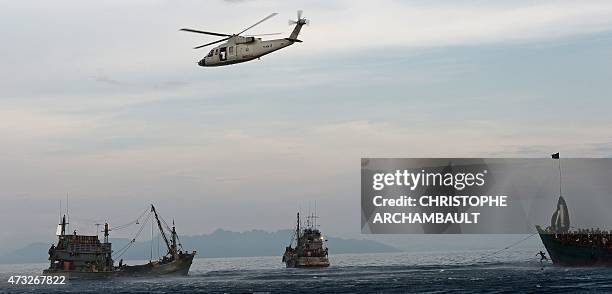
(560, 177)
(309, 214)
(67, 215)
(98, 230)
(299, 211)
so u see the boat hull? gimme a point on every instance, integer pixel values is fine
(565, 254)
(312, 262)
(178, 267)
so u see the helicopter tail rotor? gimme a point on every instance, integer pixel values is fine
(298, 26)
(299, 20)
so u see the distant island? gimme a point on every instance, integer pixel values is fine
(220, 243)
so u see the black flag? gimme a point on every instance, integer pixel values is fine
(555, 156)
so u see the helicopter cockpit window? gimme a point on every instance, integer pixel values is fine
(211, 53)
(231, 50)
(216, 51)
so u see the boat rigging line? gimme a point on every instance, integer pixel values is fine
(136, 221)
(125, 248)
(503, 249)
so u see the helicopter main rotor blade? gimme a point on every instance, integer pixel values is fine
(266, 18)
(268, 34)
(215, 42)
(207, 33)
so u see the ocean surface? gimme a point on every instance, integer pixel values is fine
(431, 272)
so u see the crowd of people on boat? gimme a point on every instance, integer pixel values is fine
(587, 237)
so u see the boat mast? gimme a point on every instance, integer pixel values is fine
(106, 230)
(557, 157)
(297, 231)
(161, 230)
(560, 194)
(64, 223)
(66, 214)
(173, 236)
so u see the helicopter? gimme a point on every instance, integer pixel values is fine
(238, 48)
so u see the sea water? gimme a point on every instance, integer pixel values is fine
(431, 272)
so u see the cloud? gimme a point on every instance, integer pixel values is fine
(371, 25)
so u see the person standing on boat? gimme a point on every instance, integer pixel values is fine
(51, 253)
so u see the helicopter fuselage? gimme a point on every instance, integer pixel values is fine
(241, 49)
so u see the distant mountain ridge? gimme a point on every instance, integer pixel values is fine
(220, 243)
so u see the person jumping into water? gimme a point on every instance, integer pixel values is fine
(542, 256)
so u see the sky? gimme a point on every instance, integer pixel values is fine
(105, 102)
